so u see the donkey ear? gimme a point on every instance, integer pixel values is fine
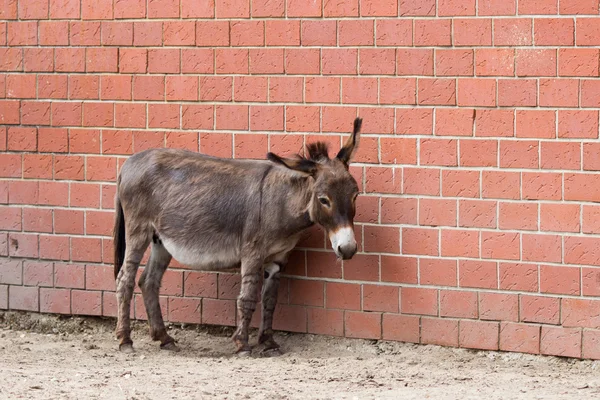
(297, 164)
(346, 152)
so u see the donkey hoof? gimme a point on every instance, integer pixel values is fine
(170, 346)
(244, 353)
(271, 352)
(126, 348)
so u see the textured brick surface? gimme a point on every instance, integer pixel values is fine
(477, 168)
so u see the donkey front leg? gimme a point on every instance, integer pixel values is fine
(269, 301)
(246, 304)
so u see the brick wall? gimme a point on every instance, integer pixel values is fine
(477, 224)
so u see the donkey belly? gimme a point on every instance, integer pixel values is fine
(214, 259)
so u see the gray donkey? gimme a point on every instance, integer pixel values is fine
(217, 214)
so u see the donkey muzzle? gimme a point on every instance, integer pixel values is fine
(344, 243)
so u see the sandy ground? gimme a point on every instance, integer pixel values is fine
(45, 357)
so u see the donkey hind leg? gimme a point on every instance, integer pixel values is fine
(269, 301)
(246, 304)
(125, 283)
(150, 284)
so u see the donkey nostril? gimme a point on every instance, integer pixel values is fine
(339, 249)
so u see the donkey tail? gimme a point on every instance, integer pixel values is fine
(119, 236)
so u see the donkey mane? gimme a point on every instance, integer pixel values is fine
(317, 151)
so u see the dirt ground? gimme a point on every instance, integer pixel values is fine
(47, 357)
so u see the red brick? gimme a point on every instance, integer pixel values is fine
(216, 88)
(521, 338)
(302, 61)
(554, 31)
(84, 195)
(398, 210)
(22, 33)
(356, 32)
(520, 277)
(457, 183)
(38, 60)
(11, 165)
(546, 248)
(403, 328)
(578, 62)
(559, 92)
(520, 216)
(133, 60)
(377, 62)
(362, 325)
(380, 298)
(23, 245)
(381, 239)
(250, 146)
(419, 301)
(436, 271)
(309, 293)
(290, 318)
(53, 140)
(460, 243)
(540, 309)
(436, 91)
(265, 61)
(197, 60)
(495, 62)
(582, 187)
(538, 7)
(519, 154)
(560, 217)
(9, 112)
(302, 118)
(414, 61)
(163, 116)
(130, 9)
(588, 33)
(478, 274)
(56, 301)
(536, 124)
(581, 250)
(454, 121)
(69, 276)
(519, 93)
(437, 212)
(322, 90)
(433, 32)
(545, 186)
(513, 32)
(590, 344)
(580, 313)
(325, 322)
(232, 117)
(23, 192)
(420, 241)
(499, 306)
(578, 124)
(219, 145)
(398, 269)
(454, 62)
(478, 335)
(472, 32)
(23, 298)
(478, 153)
(458, 304)
(477, 92)
(323, 265)
(393, 32)
(54, 247)
(558, 341)
(421, 181)
(86, 302)
(359, 90)
(11, 272)
(250, 88)
(117, 33)
(8, 9)
(20, 86)
(86, 249)
(37, 220)
(442, 332)
(591, 219)
(536, 62)
(11, 218)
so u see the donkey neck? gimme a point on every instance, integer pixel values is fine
(295, 192)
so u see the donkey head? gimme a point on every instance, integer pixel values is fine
(334, 190)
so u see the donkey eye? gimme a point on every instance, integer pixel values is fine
(324, 201)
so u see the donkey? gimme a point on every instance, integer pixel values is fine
(217, 214)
